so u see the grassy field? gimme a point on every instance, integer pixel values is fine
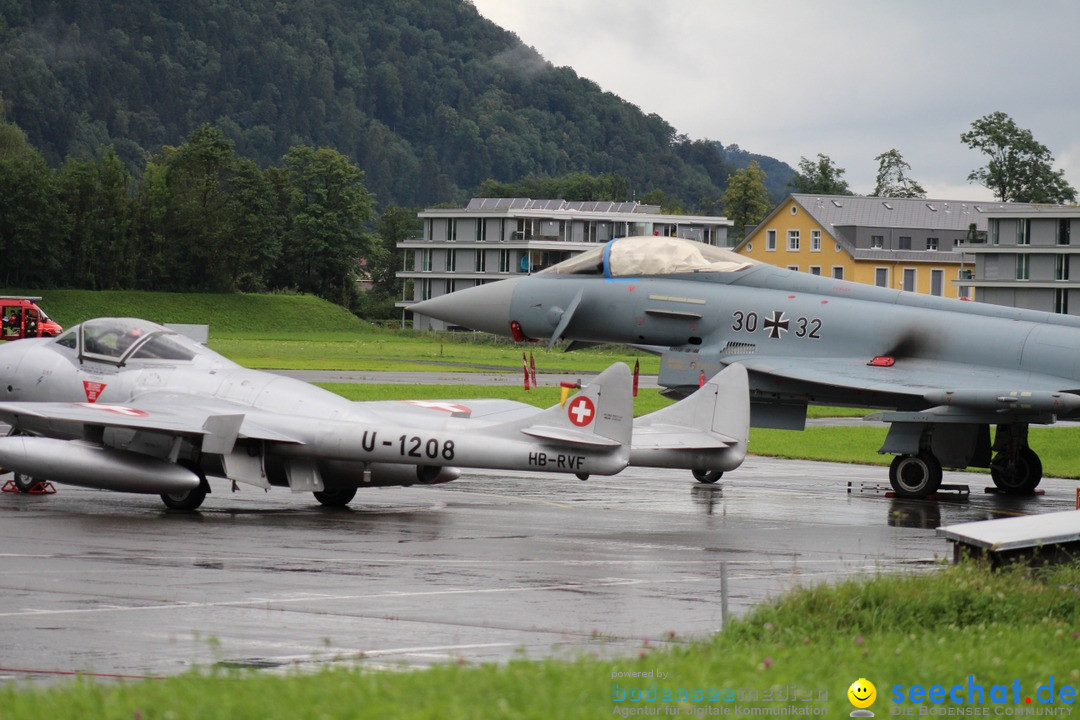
(901, 630)
(302, 331)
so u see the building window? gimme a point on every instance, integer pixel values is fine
(815, 241)
(425, 261)
(1063, 232)
(481, 261)
(905, 242)
(770, 240)
(881, 277)
(425, 289)
(793, 240)
(931, 244)
(964, 291)
(451, 231)
(504, 261)
(793, 268)
(1061, 301)
(1061, 268)
(909, 279)
(937, 282)
(451, 260)
(995, 232)
(1023, 232)
(1022, 266)
(838, 272)
(877, 242)
(815, 269)
(481, 230)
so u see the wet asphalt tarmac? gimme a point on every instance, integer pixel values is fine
(492, 566)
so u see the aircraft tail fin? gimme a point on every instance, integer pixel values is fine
(715, 417)
(600, 414)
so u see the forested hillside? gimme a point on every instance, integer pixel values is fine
(428, 98)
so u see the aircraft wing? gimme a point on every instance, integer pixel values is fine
(166, 413)
(487, 409)
(926, 382)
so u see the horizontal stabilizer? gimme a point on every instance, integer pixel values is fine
(570, 437)
(716, 416)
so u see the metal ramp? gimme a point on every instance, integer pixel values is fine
(1043, 539)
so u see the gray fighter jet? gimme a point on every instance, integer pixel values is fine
(124, 404)
(944, 370)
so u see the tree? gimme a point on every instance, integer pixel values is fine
(892, 180)
(1020, 168)
(32, 221)
(395, 225)
(327, 211)
(97, 197)
(820, 178)
(746, 200)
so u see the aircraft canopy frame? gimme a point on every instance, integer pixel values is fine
(651, 255)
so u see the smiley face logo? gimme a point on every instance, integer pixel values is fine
(862, 693)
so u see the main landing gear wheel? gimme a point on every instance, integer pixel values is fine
(188, 499)
(915, 476)
(1020, 477)
(185, 500)
(24, 482)
(336, 497)
(707, 476)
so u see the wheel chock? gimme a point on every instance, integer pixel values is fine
(41, 487)
(995, 490)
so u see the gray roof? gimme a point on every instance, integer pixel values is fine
(844, 210)
(490, 204)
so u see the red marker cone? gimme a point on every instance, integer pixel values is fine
(701, 380)
(637, 369)
(525, 367)
(532, 370)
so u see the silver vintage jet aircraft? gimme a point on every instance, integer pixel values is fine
(944, 370)
(124, 404)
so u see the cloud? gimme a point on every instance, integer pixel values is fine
(846, 78)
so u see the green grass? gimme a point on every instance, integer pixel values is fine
(931, 628)
(545, 396)
(302, 331)
(1056, 446)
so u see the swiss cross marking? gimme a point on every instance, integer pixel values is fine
(776, 324)
(581, 411)
(438, 405)
(118, 409)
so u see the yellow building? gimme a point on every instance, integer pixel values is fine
(903, 243)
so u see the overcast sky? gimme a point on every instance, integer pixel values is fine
(847, 78)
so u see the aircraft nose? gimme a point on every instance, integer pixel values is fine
(484, 307)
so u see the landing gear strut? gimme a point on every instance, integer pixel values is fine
(915, 476)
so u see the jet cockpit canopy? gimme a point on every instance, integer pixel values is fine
(117, 340)
(651, 255)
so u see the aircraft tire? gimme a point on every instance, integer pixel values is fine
(1022, 478)
(707, 476)
(915, 476)
(186, 500)
(336, 497)
(24, 482)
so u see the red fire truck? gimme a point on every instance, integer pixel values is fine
(20, 317)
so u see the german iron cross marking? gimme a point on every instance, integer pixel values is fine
(776, 324)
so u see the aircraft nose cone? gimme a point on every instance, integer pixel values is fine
(484, 307)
